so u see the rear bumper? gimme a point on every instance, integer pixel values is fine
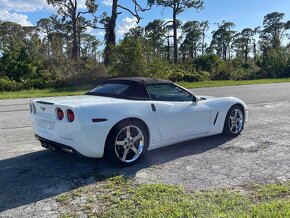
(56, 144)
(88, 140)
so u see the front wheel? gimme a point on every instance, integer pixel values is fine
(234, 122)
(127, 142)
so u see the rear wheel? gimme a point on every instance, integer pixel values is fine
(234, 122)
(127, 142)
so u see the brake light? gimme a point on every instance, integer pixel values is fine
(70, 115)
(59, 113)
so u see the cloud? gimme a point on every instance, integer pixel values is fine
(82, 4)
(14, 17)
(107, 2)
(32, 5)
(96, 32)
(100, 33)
(126, 24)
(23, 6)
(10, 10)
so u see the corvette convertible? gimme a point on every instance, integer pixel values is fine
(122, 118)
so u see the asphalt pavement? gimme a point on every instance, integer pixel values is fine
(31, 177)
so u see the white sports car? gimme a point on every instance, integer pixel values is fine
(125, 117)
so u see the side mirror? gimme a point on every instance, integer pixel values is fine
(195, 99)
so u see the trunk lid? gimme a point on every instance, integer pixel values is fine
(71, 101)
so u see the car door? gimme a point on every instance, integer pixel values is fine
(176, 114)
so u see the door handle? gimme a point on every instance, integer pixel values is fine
(153, 107)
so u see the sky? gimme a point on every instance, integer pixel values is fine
(244, 13)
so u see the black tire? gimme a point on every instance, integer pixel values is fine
(127, 147)
(234, 124)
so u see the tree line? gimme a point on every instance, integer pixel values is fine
(59, 51)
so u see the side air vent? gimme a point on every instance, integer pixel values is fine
(44, 102)
(216, 118)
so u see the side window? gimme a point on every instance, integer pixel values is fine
(167, 92)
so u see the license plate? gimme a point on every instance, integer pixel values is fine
(45, 125)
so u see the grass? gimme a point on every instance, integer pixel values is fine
(34, 93)
(120, 197)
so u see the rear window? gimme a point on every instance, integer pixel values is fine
(110, 88)
(133, 91)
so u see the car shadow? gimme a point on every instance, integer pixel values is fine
(43, 174)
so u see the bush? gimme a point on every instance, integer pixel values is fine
(9, 85)
(246, 71)
(176, 75)
(210, 63)
(128, 59)
(276, 64)
(204, 74)
(158, 68)
(193, 77)
(190, 76)
(224, 74)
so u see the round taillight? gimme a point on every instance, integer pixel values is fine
(70, 115)
(59, 113)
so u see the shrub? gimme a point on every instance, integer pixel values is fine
(221, 75)
(246, 71)
(223, 72)
(176, 75)
(9, 85)
(204, 74)
(128, 59)
(158, 68)
(210, 63)
(275, 64)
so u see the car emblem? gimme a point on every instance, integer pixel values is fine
(42, 108)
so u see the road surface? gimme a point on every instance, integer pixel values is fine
(31, 177)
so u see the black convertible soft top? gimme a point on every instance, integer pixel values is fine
(134, 88)
(140, 80)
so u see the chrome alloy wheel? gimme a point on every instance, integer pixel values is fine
(236, 121)
(129, 144)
